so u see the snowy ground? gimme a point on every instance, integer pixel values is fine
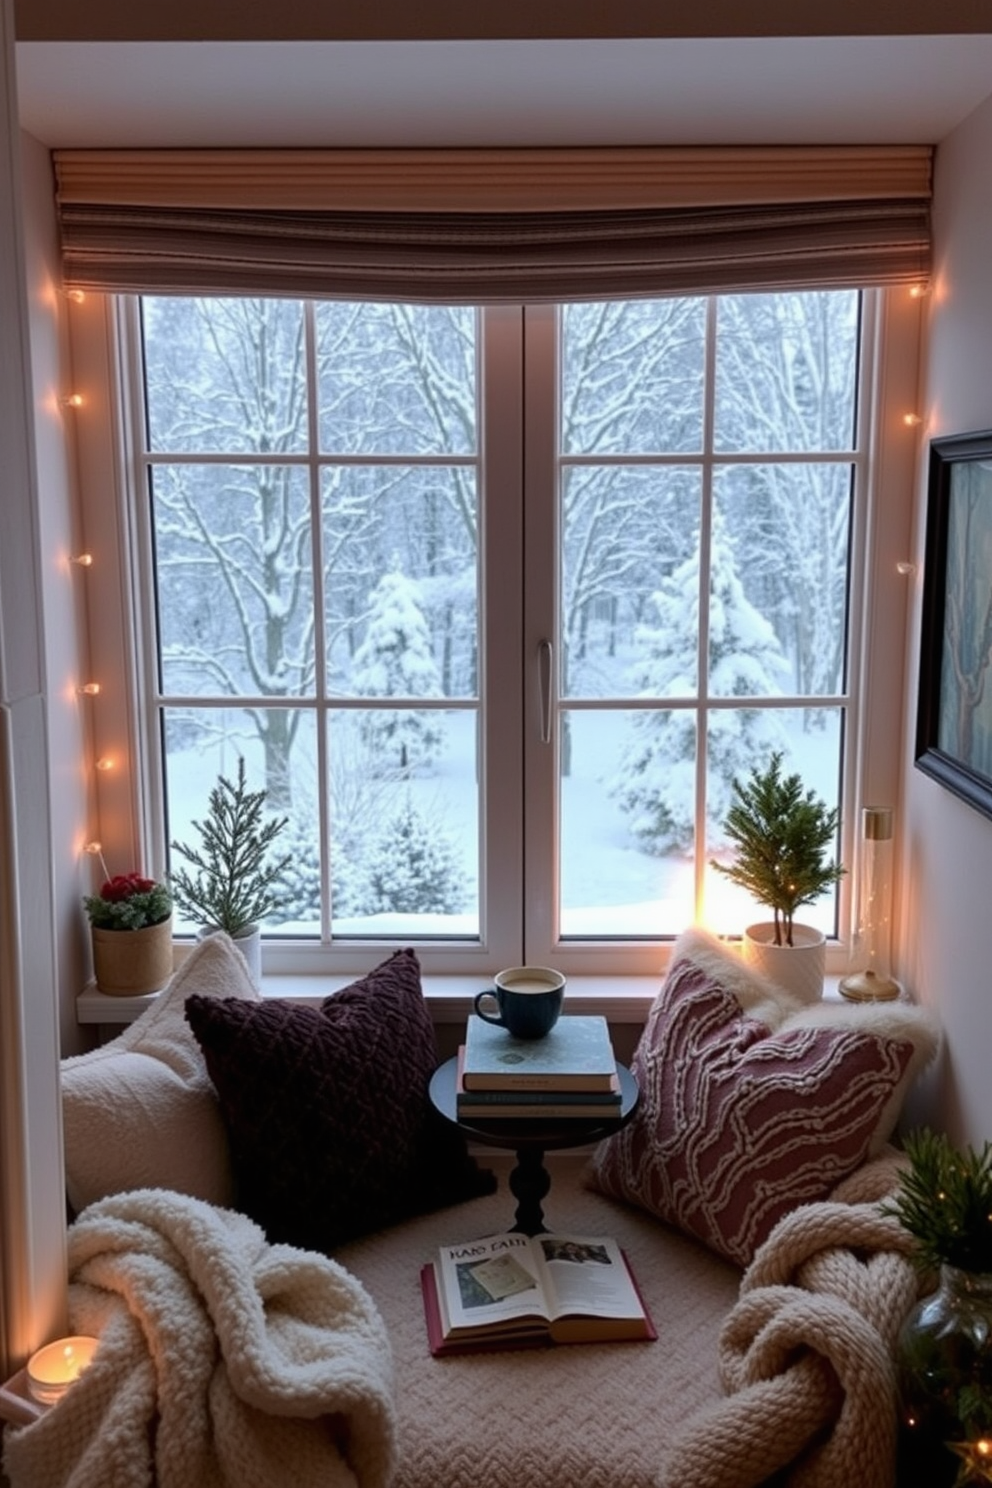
(609, 885)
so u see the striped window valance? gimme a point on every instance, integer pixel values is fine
(493, 225)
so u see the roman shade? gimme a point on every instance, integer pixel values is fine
(476, 226)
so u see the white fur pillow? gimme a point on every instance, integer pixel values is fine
(141, 1111)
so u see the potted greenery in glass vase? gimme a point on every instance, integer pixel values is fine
(131, 934)
(781, 834)
(231, 884)
(944, 1350)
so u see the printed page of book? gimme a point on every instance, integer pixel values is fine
(485, 1282)
(587, 1275)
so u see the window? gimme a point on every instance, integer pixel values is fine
(496, 602)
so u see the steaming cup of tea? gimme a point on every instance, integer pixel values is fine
(526, 1001)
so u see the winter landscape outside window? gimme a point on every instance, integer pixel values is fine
(314, 484)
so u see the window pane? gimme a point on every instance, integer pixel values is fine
(235, 589)
(786, 371)
(627, 531)
(404, 822)
(626, 795)
(632, 377)
(278, 747)
(401, 581)
(397, 379)
(225, 376)
(810, 740)
(781, 545)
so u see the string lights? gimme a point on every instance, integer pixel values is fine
(72, 400)
(84, 560)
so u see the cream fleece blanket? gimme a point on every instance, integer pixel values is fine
(224, 1362)
(806, 1355)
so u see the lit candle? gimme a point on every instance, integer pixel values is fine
(54, 1368)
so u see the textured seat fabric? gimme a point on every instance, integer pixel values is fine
(573, 1416)
(332, 1133)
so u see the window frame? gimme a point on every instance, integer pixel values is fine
(122, 798)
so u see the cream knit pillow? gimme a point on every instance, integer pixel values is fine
(141, 1111)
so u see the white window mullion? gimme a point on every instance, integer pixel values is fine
(702, 652)
(501, 560)
(541, 628)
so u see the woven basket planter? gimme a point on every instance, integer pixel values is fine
(129, 963)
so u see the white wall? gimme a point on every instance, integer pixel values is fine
(947, 845)
(63, 585)
(32, 1189)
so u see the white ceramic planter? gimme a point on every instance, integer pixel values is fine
(798, 968)
(248, 942)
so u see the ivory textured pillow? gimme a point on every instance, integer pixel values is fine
(141, 1111)
(752, 1103)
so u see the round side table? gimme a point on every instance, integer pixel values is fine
(530, 1139)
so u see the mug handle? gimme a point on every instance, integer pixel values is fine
(488, 1017)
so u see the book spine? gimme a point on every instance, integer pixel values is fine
(540, 1097)
(563, 1084)
(547, 1111)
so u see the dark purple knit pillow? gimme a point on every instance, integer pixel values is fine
(332, 1133)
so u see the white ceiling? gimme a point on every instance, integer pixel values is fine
(832, 90)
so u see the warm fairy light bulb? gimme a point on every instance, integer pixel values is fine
(911, 420)
(84, 560)
(89, 689)
(105, 763)
(905, 567)
(918, 291)
(93, 848)
(73, 400)
(77, 296)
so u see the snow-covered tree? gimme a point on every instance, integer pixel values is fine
(395, 660)
(656, 780)
(412, 867)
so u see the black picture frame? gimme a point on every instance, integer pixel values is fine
(954, 711)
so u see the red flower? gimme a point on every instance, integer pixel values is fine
(124, 885)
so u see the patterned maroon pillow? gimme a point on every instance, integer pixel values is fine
(332, 1133)
(750, 1105)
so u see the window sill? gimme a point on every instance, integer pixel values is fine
(450, 998)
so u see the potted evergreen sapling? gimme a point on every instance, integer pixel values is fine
(781, 834)
(944, 1349)
(231, 883)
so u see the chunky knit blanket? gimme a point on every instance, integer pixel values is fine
(223, 1362)
(807, 1353)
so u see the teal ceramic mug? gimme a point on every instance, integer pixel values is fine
(527, 1000)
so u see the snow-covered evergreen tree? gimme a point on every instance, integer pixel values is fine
(412, 867)
(655, 782)
(395, 660)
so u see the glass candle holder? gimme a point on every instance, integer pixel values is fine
(58, 1365)
(873, 938)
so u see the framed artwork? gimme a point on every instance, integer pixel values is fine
(954, 718)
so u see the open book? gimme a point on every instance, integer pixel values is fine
(515, 1291)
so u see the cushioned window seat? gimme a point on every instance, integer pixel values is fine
(745, 1191)
(573, 1416)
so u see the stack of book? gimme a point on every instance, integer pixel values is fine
(569, 1073)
